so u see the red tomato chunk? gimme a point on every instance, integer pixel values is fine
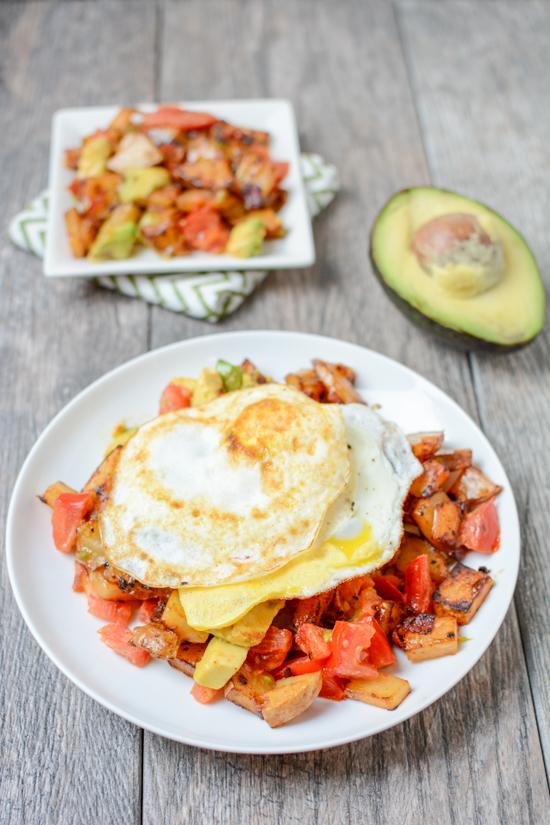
(205, 695)
(69, 511)
(118, 638)
(349, 650)
(110, 611)
(418, 585)
(272, 650)
(174, 397)
(311, 639)
(480, 529)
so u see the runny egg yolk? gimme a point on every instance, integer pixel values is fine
(311, 572)
(353, 547)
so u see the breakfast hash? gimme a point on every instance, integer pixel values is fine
(276, 542)
(175, 181)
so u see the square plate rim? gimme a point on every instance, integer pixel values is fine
(196, 263)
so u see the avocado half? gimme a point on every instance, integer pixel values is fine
(507, 315)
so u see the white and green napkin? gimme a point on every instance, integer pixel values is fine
(209, 296)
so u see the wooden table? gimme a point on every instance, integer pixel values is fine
(452, 92)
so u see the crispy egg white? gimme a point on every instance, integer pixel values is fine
(227, 491)
(362, 530)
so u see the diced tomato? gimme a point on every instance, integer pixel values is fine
(349, 650)
(146, 610)
(118, 638)
(280, 169)
(369, 600)
(80, 577)
(205, 230)
(174, 397)
(205, 695)
(480, 530)
(69, 511)
(303, 664)
(380, 651)
(311, 609)
(386, 586)
(332, 687)
(172, 117)
(418, 585)
(109, 611)
(347, 595)
(311, 639)
(272, 650)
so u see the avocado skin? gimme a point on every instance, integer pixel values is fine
(462, 341)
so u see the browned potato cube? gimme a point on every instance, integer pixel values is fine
(386, 691)
(439, 520)
(157, 640)
(52, 493)
(101, 477)
(388, 615)
(247, 688)
(187, 656)
(473, 486)
(462, 593)
(411, 547)
(457, 460)
(433, 478)
(427, 637)
(290, 697)
(424, 445)
(174, 617)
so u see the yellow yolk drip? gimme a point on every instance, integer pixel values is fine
(312, 572)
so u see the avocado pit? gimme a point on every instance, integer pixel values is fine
(458, 254)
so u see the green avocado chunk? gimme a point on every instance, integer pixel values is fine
(220, 661)
(246, 239)
(117, 235)
(93, 157)
(138, 184)
(456, 267)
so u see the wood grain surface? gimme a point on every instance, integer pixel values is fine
(373, 94)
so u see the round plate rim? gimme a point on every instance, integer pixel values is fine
(197, 741)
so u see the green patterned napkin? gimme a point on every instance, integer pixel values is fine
(209, 296)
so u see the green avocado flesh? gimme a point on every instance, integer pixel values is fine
(507, 314)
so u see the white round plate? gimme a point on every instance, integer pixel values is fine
(157, 698)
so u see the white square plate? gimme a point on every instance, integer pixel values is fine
(158, 698)
(295, 250)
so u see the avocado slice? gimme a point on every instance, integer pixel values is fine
(117, 235)
(93, 158)
(251, 629)
(458, 268)
(246, 239)
(220, 661)
(138, 184)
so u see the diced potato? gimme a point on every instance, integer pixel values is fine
(89, 546)
(247, 688)
(411, 547)
(388, 615)
(51, 495)
(439, 520)
(340, 389)
(425, 445)
(290, 697)
(474, 486)
(101, 477)
(462, 593)
(187, 657)
(174, 617)
(457, 460)
(105, 589)
(432, 479)
(386, 691)
(157, 640)
(427, 637)
(209, 386)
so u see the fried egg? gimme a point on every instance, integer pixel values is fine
(361, 532)
(227, 491)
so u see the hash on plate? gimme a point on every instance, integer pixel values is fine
(276, 542)
(175, 181)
